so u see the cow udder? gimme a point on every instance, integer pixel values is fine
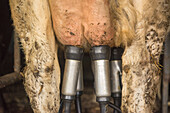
(77, 22)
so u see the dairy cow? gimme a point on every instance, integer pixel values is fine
(137, 25)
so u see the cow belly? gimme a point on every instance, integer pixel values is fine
(77, 22)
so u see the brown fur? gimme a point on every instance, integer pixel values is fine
(141, 28)
(32, 21)
(123, 17)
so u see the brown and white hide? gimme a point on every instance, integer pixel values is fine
(139, 26)
(141, 30)
(32, 21)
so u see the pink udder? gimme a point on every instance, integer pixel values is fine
(77, 22)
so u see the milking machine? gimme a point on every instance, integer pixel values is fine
(100, 56)
(72, 72)
(80, 87)
(116, 72)
(72, 86)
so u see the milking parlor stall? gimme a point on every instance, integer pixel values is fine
(84, 56)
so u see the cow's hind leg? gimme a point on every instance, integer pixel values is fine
(141, 68)
(141, 26)
(32, 21)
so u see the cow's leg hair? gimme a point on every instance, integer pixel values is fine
(141, 79)
(32, 21)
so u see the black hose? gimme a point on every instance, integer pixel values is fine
(78, 104)
(103, 107)
(61, 107)
(115, 107)
(67, 106)
(117, 102)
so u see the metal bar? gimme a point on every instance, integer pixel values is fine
(166, 75)
(9, 79)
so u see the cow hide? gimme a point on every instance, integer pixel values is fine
(32, 21)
